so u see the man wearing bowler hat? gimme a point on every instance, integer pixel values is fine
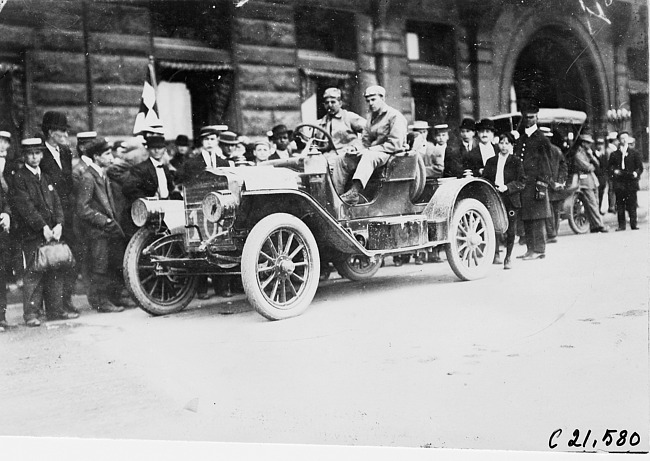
(467, 136)
(383, 136)
(150, 178)
(280, 137)
(476, 159)
(57, 164)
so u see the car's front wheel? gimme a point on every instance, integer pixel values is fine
(158, 291)
(280, 266)
(578, 221)
(472, 241)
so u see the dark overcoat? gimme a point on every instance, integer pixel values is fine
(534, 152)
(513, 177)
(474, 160)
(142, 181)
(559, 171)
(36, 205)
(625, 180)
(96, 205)
(453, 163)
(61, 178)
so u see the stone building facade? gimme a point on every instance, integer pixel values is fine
(259, 63)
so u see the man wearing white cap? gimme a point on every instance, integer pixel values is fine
(383, 136)
(342, 125)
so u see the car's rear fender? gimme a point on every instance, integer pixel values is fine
(256, 205)
(441, 206)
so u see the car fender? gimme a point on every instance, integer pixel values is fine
(441, 206)
(261, 203)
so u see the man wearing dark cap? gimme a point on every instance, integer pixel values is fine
(534, 150)
(383, 136)
(100, 220)
(467, 139)
(57, 164)
(585, 165)
(149, 178)
(475, 160)
(343, 126)
(280, 137)
(39, 219)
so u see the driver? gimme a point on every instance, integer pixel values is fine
(342, 125)
(383, 136)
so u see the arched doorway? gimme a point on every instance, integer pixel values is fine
(556, 70)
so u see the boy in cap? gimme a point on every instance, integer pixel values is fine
(100, 220)
(383, 136)
(448, 156)
(261, 151)
(39, 219)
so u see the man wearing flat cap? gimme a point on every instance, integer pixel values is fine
(57, 164)
(383, 136)
(585, 165)
(534, 150)
(100, 220)
(344, 126)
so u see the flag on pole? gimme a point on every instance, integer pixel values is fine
(148, 118)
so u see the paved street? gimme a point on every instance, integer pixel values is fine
(411, 358)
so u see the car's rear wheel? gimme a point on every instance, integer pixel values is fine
(472, 241)
(157, 291)
(280, 266)
(357, 267)
(578, 221)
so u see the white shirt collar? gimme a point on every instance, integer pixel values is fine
(86, 160)
(97, 168)
(531, 130)
(36, 170)
(155, 162)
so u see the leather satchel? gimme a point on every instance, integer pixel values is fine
(53, 255)
(541, 190)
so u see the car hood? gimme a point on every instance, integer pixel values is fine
(252, 178)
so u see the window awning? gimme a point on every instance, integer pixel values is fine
(195, 66)
(326, 74)
(432, 74)
(434, 80)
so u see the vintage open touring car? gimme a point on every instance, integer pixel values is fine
(274, 224)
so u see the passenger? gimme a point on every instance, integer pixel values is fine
(262, 151)
(506, 173)
(556, 194)
(474, 162)
(383, 136)
(626, 168)
(228, 144)
(433, 161)
(39, 218)
(282, 146)
(149, 178)
(99, 218)
(210, 154)
(344, 126)
(585, 164)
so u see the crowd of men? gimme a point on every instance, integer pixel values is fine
(48, 194)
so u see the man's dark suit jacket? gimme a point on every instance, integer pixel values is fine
(95, 204)
(61, 177)
(36, 204)
(142, 181)
(625, 181)
(193, 167)
(534, 151)
(559, 171)
(474, 161)
(453, 164)
(513, 177)
(4, 233)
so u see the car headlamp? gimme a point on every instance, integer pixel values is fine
(139, 212)
(218, 205)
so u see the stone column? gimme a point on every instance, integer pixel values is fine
(267, 80)
(392, 67)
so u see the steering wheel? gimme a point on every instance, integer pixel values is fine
(315, 136)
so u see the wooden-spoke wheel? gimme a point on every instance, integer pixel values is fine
(280, 266)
